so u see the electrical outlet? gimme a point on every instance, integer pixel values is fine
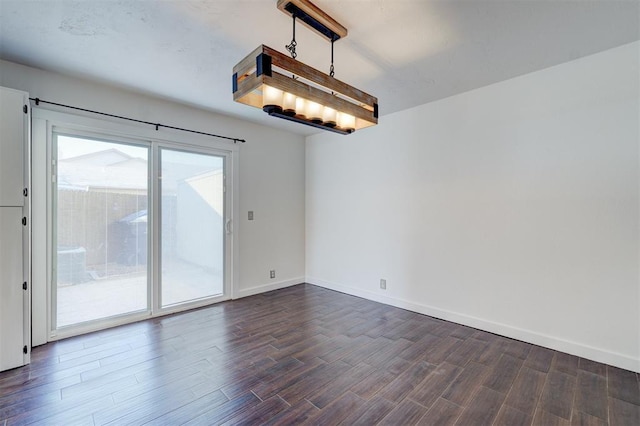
(383, 284)
(272, 273)
(250, 215)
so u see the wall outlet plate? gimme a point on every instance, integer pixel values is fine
(250, 215)
(272, 273)
(383, 284)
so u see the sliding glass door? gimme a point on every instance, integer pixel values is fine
(192, 226)
(101, 230)
(139, 229)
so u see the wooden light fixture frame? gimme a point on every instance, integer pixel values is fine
(268, 67)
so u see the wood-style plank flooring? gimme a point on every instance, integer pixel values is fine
(310, 355)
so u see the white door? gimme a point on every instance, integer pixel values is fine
(14, 236)
(192, 231)
(11, 279)
(140, 228)
(101, 232)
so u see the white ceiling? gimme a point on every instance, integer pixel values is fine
(405, 52)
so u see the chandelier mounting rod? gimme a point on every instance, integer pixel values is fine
(313, 17)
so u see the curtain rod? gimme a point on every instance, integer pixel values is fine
(38, 101)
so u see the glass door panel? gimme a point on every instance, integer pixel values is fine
(192, 226)
(101, 231)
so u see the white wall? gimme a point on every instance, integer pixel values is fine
(512, 208)
(271, 176)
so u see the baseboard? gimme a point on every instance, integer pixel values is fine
(267, 287)
(551, 342)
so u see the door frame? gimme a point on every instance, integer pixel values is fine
(157, 231)
(44, 122)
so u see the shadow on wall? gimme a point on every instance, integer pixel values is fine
(200, 200)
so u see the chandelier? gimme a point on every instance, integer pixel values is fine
(289, 89)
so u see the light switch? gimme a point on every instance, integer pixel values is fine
(250, 215)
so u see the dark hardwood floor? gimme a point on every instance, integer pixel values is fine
(309, 355)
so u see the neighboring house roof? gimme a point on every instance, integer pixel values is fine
(100, 158)
(123, 175)
(127, 162)
(113, 169)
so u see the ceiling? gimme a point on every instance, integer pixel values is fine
(405, 52)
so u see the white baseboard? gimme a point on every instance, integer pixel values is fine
(551, 342)
(267, 287)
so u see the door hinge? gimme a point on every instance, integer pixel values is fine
(24, 221)
(24, 285)
(24, 349)
(25, 109)
(25, 192)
